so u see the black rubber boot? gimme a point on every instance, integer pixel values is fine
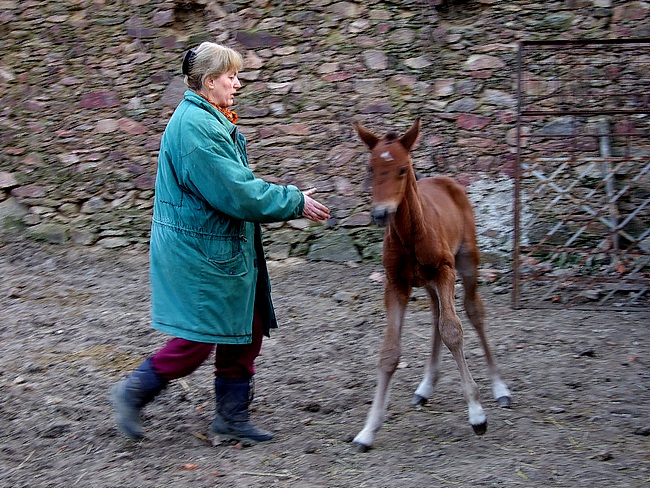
(133, 393)
(231, 422)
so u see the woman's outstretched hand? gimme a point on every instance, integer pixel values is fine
(314, 210)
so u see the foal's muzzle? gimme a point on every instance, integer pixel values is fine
(381, 216)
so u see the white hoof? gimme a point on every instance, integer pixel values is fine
(500, 390)
(364, 440)
(476, 414)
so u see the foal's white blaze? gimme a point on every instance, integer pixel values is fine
(386, 156)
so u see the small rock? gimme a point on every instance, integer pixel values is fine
(163, 17)
(7, 180)
(56, 429)
(602, 456)
(105, 126)
(643, 430)
(359, 322)
(418, 63)
(345, 296)
(312, 407)
(310, 448)
(483, 61)
(131, 126)
(29, 191)
(377, 277)
(114, 242)
(99, 99)
(299, 224)
(13, 293)
(375, 60)
(586, 352)
(590, 294)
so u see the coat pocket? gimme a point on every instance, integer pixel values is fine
(226, 255)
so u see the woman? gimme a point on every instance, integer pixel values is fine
(209, 281)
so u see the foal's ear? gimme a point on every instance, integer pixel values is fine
(411, 135)
(366, 136)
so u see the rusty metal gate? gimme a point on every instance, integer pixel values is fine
(582, 177)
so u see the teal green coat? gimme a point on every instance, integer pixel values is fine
(206, 259)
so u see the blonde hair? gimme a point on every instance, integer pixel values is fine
(209, 59)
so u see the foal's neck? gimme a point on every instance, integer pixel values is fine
(409, 223)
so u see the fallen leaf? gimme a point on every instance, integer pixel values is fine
(200, 436)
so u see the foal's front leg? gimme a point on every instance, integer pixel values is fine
(395, 301)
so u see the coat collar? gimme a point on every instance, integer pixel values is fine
(192, 97)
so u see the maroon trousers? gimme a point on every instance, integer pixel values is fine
(180, 357)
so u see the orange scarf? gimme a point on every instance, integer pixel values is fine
(229, 114)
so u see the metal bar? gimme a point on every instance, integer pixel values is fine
(516, 217)
(605, 152)
(530, 113)
(562, 136)
(584, 42)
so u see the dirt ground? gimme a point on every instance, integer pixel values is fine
(74, 321)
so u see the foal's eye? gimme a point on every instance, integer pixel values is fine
(369, 170)
(402, 171)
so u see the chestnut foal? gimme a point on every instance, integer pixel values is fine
(430, 233)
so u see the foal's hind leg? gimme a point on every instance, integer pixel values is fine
(432, 370)
(395, 302)
(467, 268)
(451, 332)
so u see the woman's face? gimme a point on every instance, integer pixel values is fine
(221, 89)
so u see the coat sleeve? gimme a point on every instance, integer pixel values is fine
(214, 172)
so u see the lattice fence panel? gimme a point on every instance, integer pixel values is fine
(582, 194)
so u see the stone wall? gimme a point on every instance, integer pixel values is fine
(87, 86)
